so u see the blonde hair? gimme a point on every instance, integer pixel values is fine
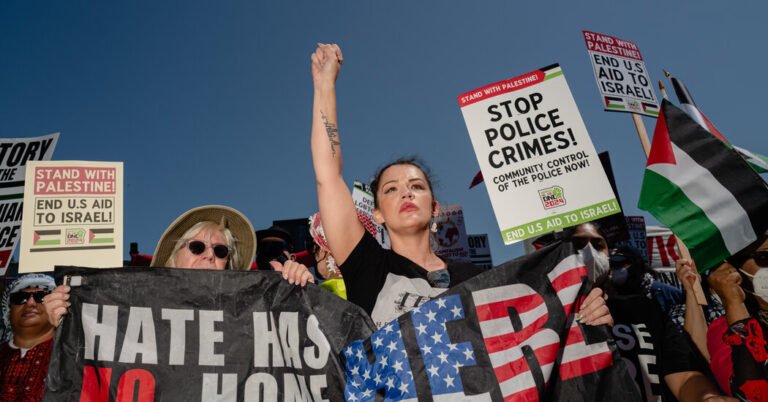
(234, 256)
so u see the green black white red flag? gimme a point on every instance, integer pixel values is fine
(702, 189)
(758, 162)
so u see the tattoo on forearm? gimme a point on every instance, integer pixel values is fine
(332, 131)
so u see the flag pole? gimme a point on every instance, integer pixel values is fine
(684, 253)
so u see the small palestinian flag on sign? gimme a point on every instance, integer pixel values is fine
(614, 103)
(552, 71)
(650, 108)
(46, 238)
(101, 236)
(702, 189)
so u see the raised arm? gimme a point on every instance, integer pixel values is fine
(342, 227)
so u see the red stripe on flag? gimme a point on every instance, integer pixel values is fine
(520, 366)
(526, 395)
(509, 340)
(574, 335)
(492, 311)
(577, 368)
(712, 129)
(661, 147)
(568, 278)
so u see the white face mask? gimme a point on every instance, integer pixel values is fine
(759, 282)
(597, 262)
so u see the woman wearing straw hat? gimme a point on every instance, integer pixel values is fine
(208, 237)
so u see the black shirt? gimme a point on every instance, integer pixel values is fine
(650, 344)
(370, 266)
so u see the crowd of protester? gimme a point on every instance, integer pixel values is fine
(696, 353)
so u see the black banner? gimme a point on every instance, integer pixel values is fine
(187, 335)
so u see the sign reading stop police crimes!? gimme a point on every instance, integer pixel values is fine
(540, 167)
(621, 75)
(73, 215)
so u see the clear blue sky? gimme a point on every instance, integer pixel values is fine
(210, 101)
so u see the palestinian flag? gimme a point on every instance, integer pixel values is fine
(614, 103)
(46, 237)
(101, 236)
(702, 189)
(758, 162)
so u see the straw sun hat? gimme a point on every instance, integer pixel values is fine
(230, 218)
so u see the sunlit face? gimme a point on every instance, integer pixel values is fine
(404, 198)
(587, 233)
(30, 314)
(206, 260)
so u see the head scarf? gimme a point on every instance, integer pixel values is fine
(41, 281)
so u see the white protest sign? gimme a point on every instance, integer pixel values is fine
(540, 168)
(73, 215)
(621, 75)
(451, 235)
(363, 199)
(14, 154)
(480, 250)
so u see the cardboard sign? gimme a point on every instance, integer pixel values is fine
(451, 235)
(480, 250)
(363, 199)
(14, 155)
(621, 75)
(73, 215)
(539, 165)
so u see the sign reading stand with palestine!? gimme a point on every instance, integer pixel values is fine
(540, 167)
(14, 155)
(621, 75)
(73, 215)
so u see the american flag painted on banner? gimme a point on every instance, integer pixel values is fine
(505, 335)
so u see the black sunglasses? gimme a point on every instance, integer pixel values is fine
(21, 298)
(761, 258)
(197, 247)
(597, 242)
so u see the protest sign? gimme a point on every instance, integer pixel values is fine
(540, 167)
(621, 75)
(637, 235)
(73, 215)
(14, 154)
(508, 334)
(451, 235)
(199, 335)
(363, 199)
(480, 250)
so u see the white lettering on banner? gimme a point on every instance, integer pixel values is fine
(105, 330)
(316, 356)
(178, 320)
(263, 387)
(228, 387)
(266, 342)
(209, 337)
(140, 326)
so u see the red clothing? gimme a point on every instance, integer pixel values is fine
(739, 354)
(22, 379)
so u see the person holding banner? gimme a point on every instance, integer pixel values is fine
(385, 283)
(208, 237)
(642, 331)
